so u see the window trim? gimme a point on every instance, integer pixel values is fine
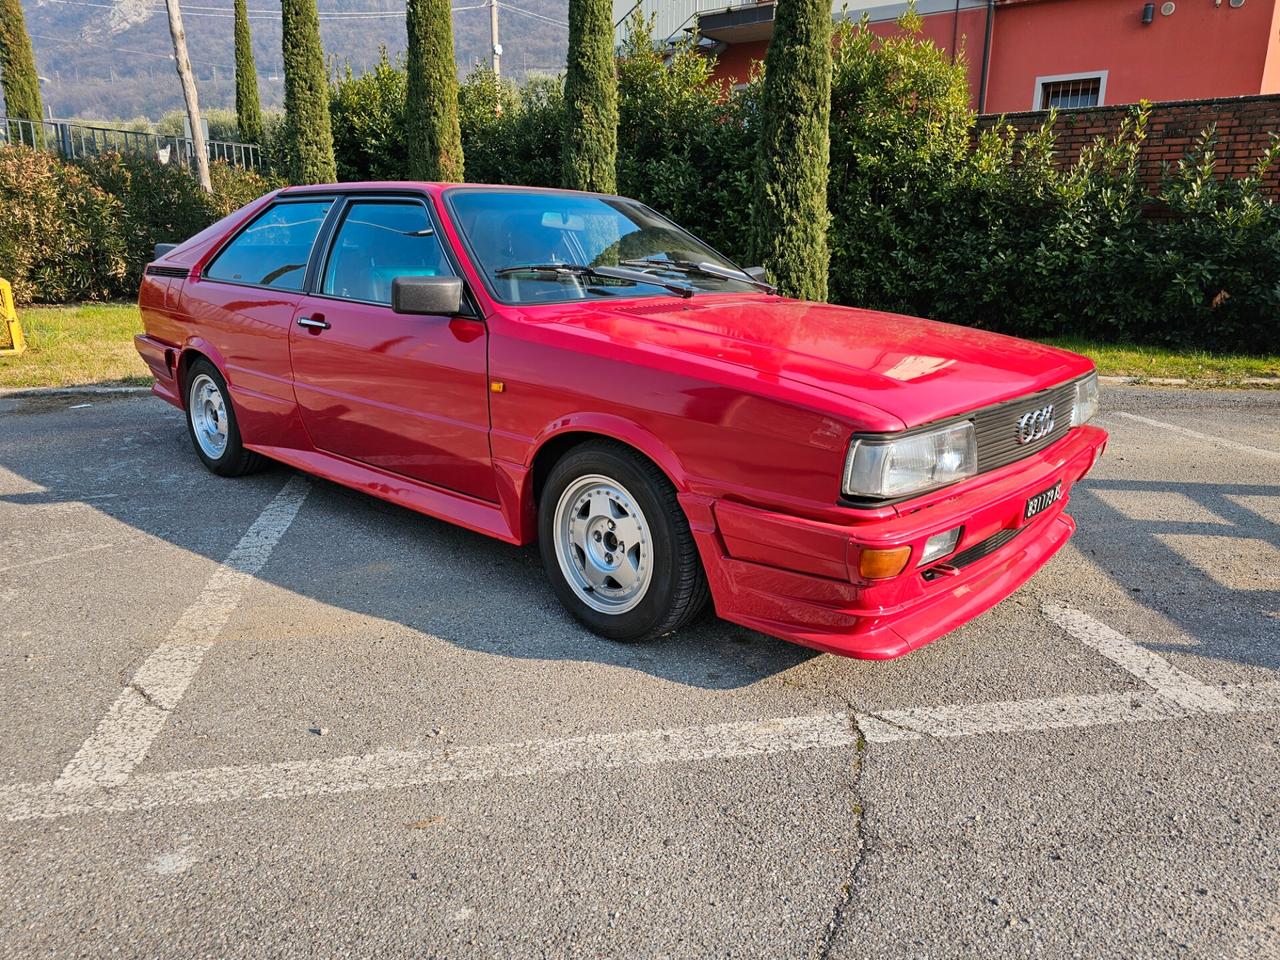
(329, 237)
(1037, 93)
(447, 197)
(334, 201)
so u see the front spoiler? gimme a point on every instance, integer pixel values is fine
(796, 578)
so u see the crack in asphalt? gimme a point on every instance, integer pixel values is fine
(925, 734)
(844, 900)
(141, 691)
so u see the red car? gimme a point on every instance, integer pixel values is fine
(576, 369)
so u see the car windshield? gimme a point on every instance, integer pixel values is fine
(545, 247)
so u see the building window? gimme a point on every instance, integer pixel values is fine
(1070, 92)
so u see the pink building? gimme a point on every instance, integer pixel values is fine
(1033, 54)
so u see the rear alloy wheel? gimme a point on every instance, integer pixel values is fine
(616, 544)
(212, 424)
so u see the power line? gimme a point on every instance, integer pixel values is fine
(530, 13)
(228, 12)
(139, 53)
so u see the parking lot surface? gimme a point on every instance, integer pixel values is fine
(270, 716)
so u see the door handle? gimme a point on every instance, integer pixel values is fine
(317, 322)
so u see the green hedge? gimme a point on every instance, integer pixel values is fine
(927, 218)
(991, 233)
(84, 231)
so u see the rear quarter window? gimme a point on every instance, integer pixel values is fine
(274, 249)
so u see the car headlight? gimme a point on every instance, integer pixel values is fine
(1086, 402)
(894, 467)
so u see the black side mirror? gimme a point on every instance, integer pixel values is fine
(161, 249)
(431, 296)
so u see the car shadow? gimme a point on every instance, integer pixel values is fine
(1227, 622)
(363, 555)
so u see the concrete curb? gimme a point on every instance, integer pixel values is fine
(19, 392)
(1183, 382)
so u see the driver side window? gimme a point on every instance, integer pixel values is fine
(378, 241)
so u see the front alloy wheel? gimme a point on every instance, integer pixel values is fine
(616, 544)
(603, 544)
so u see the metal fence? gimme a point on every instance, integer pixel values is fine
(74, 141)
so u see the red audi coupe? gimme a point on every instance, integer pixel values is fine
(575, 369)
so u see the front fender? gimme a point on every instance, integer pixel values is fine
(515, 474)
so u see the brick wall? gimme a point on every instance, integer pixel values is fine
(1244, 126)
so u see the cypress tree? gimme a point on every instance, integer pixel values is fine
(308, 133)
(431, 95)
(590, 157)
(789, 216)
(18, 69)
(248, 105)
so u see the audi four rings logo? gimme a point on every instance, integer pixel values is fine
(1035, 424)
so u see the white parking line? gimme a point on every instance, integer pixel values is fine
(1153, 670)
(1196, 435)
(388, 769)
(125, 734)
(392, 769)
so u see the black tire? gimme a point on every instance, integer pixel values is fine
(234, 460)
(677, 590)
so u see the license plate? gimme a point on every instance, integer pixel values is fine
(1042, 501)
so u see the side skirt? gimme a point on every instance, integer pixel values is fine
(468, 512)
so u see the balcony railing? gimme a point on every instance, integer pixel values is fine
(74, 141)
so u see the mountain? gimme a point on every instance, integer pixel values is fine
(111, 59)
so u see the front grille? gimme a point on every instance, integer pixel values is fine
(996, 428)
(975, 553)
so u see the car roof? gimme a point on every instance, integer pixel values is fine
(425, 186)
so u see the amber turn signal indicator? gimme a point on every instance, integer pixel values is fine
(880, 564)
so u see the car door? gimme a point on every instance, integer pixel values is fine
(406, 394)
(242, 304)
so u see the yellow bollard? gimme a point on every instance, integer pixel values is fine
(12, 342)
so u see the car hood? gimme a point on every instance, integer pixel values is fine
(916, 370)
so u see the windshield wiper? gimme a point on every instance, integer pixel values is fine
(605, 273)
(702, 269)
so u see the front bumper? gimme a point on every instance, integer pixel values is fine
(797, 578)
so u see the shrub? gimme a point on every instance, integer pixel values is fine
(1213, 266)
(370, 139)
(58, 232)
(84, 231)
(899, 135)
(685, 140)
(519, 143)
(163, 204)
(992, 233)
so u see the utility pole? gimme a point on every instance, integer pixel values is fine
(189, 93)
(493, 36)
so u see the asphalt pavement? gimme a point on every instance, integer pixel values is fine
(273, 717)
